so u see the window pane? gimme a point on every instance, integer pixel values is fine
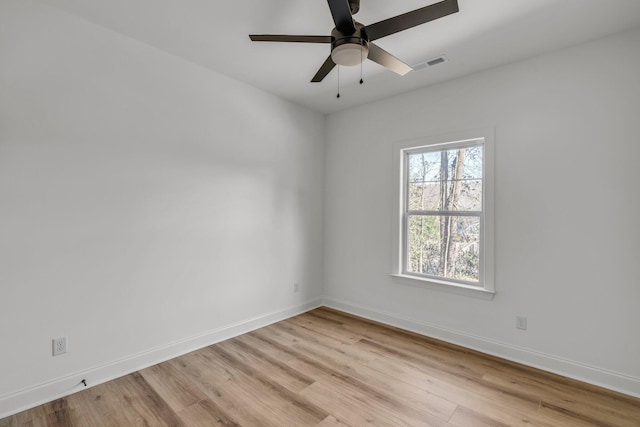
(471, 159)
(449, 180)
(424, 167)
(470, 196)
(424, 196)
(444, 246)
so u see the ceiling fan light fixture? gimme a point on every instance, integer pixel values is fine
(352, 42)
(350, 54)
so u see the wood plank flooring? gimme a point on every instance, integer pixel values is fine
(327, 368)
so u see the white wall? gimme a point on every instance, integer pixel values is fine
(146, 204)
(567, 201)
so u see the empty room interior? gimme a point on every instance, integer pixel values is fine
(301, 213)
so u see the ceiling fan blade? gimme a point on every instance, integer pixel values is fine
(341, 13)
(384, 58)
(287, 38)
(411, 19)
(324, 70)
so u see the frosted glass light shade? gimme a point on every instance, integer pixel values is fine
(349, 54)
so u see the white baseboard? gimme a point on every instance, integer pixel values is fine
(33, 396)
(589, 374)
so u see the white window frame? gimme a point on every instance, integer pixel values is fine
(485, 289)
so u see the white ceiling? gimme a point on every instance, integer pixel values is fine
(484, 34)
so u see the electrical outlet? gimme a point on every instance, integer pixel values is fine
(59, 346)
(296, 287)
(521, 323)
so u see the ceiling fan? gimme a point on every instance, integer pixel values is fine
(352, 42)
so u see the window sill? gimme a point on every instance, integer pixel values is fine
(448, 287)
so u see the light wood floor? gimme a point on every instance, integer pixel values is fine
(327, 368)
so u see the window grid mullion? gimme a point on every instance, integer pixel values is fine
(445, 213)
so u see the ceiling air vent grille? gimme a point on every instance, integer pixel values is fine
(431, 62)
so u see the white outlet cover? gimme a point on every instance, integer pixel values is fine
(521, 323)
(59, 345)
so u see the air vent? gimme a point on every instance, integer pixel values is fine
(430, 62)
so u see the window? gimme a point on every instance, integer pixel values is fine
(445, 217)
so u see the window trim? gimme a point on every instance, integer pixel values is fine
(486, 288)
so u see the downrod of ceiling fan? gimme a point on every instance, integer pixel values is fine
(355, 6)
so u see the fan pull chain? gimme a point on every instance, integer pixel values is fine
(338, 95)
(361, 61)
